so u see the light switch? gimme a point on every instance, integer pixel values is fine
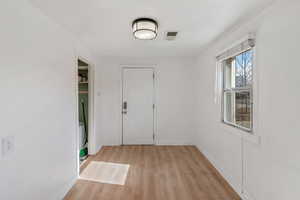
(7, 144)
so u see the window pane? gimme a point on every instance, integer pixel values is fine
(243, 109)
(238, 71)
(238, 109)
(243, 69)
(237, 74)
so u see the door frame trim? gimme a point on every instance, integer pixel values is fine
(153, 67)
(91, 112)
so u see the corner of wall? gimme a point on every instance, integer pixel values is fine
(214, 162)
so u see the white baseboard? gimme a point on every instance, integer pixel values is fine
(160, 143)
(95, 150)
(65, 189)
(173, 142)
(246, 196)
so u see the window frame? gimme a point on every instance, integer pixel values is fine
(225, 90)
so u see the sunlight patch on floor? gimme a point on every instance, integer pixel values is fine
(105, 172)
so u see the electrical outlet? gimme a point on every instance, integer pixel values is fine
(7, 144)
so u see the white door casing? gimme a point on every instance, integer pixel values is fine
(138, 114)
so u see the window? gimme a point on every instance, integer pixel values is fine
(237, 90)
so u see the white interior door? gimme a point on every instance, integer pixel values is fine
(138, 106)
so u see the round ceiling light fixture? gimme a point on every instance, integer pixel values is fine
(144, 29)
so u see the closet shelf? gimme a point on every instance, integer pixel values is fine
(83, 92)
(86, 82)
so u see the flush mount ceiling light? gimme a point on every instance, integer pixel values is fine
(144, 29)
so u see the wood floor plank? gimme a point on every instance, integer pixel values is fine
(156, 173)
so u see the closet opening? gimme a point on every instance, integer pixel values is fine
(83, 109)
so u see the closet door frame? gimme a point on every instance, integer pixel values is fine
(91, 126)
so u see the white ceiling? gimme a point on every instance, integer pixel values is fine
(105, 25)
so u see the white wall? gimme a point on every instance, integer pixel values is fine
(271, 166)
(38, 103)
(175, 99)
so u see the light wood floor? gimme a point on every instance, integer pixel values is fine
(157, 173)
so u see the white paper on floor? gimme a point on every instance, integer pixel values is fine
(105, 172)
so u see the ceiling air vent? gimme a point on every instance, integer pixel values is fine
(171, 35)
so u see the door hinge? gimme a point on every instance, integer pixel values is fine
(153, 76)
(153, 106)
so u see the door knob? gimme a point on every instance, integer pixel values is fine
(125, 105)
(124, 108)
